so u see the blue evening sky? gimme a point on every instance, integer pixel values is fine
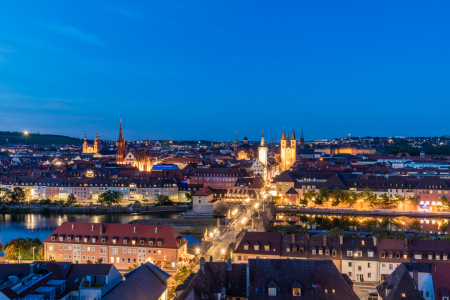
(204, 69)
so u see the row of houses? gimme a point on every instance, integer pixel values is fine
(362, 259)
(429, 189)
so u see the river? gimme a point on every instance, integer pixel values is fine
(38, 225)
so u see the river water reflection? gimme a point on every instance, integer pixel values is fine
(365, 223)
(37, 225)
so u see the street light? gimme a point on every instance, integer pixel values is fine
(33, 251)
(19, 252)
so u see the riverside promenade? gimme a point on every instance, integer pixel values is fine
(355, 212)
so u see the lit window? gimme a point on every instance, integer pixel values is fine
(272, 291)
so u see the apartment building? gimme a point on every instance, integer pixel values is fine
(362, 259)
(123, 245)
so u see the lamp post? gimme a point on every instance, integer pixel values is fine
(19, 252)
(33, 251)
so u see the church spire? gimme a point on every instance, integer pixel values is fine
(262, 139)
(283, 137)
(85, 138)
(302, 134)
(293, 134)
(236, 140)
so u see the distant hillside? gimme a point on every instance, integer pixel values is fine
(11, 137)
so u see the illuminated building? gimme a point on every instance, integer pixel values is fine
(92, 149)
(140, 160)
(288, 154)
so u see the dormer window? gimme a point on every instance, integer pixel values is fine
(327, 252)
(266, 247)
(53, 238)
(93, 240)
(256, 247)
(313, 250)
(370, 253)
(438, 257)
(444, 257)
(288, 249)
(349, 253)
(359, 253)
(430, 256)
(245, 247)
(103, 240)
(390, 255)
(334, 253)
(150, 242)
(160, 241)
(296, 292)
(383, 255)
(272, 291)
(320, 251)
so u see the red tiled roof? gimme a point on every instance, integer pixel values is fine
(110, 230)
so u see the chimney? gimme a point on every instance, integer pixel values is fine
(405, 242)
(341, 239)
(210, 258)
(202, 264)
(248, 280)
(293, 238)
(92, 227)
(100, 230)
(73, 226)
(375, 241)
(134, 229)
(156, 229)
(416, 277)
(229, 266)
(324, 240)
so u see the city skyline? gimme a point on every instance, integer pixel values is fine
(173, 71)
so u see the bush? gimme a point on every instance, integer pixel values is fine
(336, 232)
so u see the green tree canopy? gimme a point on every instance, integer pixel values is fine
(189, 196)
(71, 200)
(26, 249)
(109, 198)
(336, 231)
(163, 200)
(17, 195)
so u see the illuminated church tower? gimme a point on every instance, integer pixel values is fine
(120, 155)
(262, 151)
(288, 153)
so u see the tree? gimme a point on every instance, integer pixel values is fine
(336, 231)
(445, 237)
(424, 237)
(1, 247)
(324, 194)
(17, 195)
(189, 196)
(338, 196)
(99, 261)
(163, 200)
(368, 197)
(182, 274)
(444, 203)
(304, 230)
(310, 195)
(26, 249)
(109, 198)
(89, 262)
(71, 200)
(414, 200)
(350, 198)
(135, 266)
(384, 199)
(5, 194)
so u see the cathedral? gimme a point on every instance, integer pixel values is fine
(92, 149)
(244, 151)
(288, 151)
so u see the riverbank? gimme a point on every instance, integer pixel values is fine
(22, 209)
(352, 212)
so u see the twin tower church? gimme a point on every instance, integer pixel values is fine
(286, 155)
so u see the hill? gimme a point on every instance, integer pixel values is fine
(14, 137)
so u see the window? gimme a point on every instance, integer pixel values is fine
(391, 267)
(85, 239)
(430, 256)
(349, 253)
(245, 247)
(115, 251)
(391, 255)
(403, 295)
(369, 275)
(320, 251)
(142, 242)
(134, 250)
(239, 257)
(438, 257)
(60, 256)
(51, 248)
(266, 247)
(444, 257)
(272, 291)
(129, 250)
(296, 292)
(288, 249)
(417, 256)
(129, 260)
(327, 252)
(383, 266)
(359, 268)
(334, 252)
(405, 256)
(51, 256)
(349, 264)
(103, 241)
(124, 250)
(383, 255)
(102, 250)
(159, 243)
(125, 242)
(350, 274)
(117, 259)
(370, 253)
(256, 247)
(368, 265)
(69, 239)
(313, 251)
